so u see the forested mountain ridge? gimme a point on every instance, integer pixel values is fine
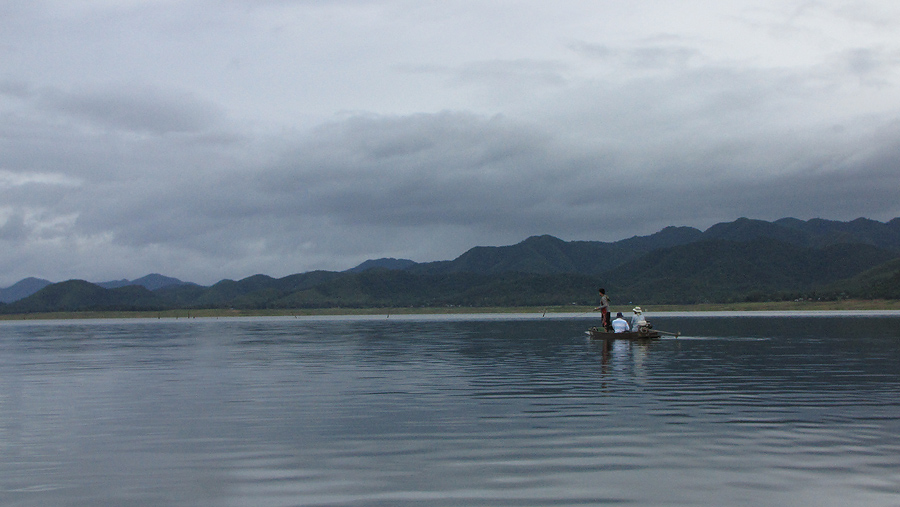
(78, 295)
(547, 254)
(758, 269)
(815, 233)
(152, 281)
(744, 260)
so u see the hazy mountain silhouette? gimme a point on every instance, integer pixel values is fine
(735, 261)
(22, 289)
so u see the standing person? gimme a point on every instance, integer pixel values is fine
(604, 310)
(620, 325)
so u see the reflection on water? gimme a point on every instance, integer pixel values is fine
(272, 412)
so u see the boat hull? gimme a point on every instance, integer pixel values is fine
(602, 334)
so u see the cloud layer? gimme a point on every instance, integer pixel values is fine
(218, 139)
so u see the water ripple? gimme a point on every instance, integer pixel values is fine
(287, 412)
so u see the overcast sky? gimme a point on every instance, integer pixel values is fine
(212, 139)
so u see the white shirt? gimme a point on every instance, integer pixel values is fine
(620, 325)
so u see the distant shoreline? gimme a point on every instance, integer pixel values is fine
(780, 306)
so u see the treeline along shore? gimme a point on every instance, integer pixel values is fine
(816, 263)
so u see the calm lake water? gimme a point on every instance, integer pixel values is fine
(447, 411)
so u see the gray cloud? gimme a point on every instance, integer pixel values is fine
(137, 110)
(179, 162)
(647, 55)
(436, 168)
(140, 109)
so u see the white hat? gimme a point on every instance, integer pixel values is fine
(637, 309)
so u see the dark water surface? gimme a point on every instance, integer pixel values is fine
(449, 411)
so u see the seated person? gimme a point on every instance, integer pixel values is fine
(620, 325)
(638, 320)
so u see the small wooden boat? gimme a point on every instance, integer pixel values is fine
(599, 333)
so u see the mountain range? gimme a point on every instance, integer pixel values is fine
(744, 260)
(28, 286)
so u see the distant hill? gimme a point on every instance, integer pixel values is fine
(78, 295)
(389, 263)
(548, 254)
(744, 260)
(152, 282)
(880, 282)
(815, 233)
(728, 271)
(29, 286)
(22, 289)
